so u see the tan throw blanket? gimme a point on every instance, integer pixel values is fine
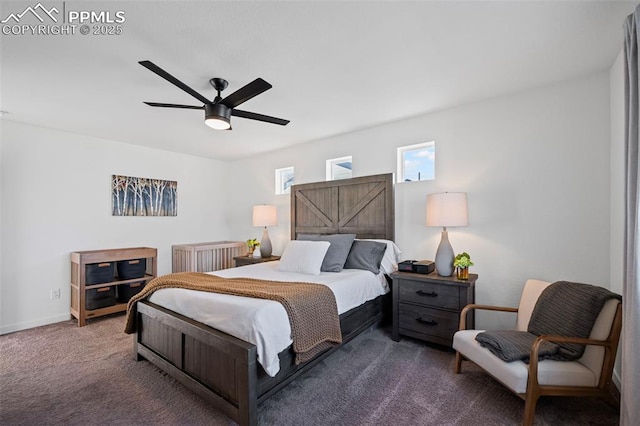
(312, 309)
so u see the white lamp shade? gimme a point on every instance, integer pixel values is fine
(264, 216)
(447, 209)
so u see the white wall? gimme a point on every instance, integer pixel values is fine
(55, 199)
(617, 185)
(535, 165)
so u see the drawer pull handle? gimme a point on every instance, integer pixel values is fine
(423, 293)
(427, 322)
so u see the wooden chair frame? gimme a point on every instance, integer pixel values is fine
(535, 389)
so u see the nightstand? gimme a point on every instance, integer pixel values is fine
(427, 306)
(246, 260)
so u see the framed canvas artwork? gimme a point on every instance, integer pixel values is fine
(135, 196)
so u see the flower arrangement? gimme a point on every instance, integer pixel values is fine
(461, 262)
(252, 244)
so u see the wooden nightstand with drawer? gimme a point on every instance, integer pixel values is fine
(427, 306)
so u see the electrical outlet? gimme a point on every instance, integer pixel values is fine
(54, 293)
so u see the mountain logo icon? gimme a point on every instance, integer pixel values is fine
(39, 11)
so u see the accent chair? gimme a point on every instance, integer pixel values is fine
(588, 376)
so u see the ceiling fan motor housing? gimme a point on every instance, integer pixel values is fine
(215, 113)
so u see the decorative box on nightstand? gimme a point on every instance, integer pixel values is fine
(247, 260)
(427, 306)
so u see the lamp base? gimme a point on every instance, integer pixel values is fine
(444, 256)
(265, 244)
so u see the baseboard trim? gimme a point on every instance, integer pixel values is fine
(11, 328)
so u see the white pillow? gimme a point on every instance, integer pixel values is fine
(304, 257)
(389, 262)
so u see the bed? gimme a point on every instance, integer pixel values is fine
(224, 369)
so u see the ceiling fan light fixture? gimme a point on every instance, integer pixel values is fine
(217, 116)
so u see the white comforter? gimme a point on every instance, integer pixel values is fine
(265, 323)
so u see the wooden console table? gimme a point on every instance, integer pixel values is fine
(79, 287)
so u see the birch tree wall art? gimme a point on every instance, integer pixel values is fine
(135, 196)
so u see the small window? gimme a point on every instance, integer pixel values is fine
(417, 162)
(339, 168)
(284, 180)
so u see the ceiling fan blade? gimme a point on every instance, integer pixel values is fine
(171, 79)
(259, 117)
(246, 92)
(156, 104)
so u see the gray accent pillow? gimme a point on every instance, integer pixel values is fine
(338, 250)
(366, 255)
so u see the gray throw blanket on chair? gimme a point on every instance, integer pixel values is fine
(563, 309)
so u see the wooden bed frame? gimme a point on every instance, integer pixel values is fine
(224, 369)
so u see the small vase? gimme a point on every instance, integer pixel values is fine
(251, 249)
(462, 273)
(257, 253)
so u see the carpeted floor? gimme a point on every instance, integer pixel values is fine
(64, 375)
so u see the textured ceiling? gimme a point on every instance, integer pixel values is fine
(335, 67)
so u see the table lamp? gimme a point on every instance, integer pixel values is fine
(265, 216)
(446, 209)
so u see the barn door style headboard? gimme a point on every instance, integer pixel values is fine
(363, 206)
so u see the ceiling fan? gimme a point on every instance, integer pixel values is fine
(218, 112)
